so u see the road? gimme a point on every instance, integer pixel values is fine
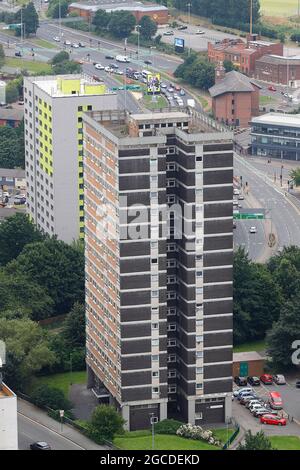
(284, 215)
(30, 431)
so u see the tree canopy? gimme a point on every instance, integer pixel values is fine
(121, 23)
(57, 267)
(27, 351)
(30, 19)
(197, 71)
(16, 232)
(148, 27)
(258, 441)
(101, 20)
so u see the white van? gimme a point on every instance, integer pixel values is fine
(122, 58)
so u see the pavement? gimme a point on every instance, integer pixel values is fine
(84, 401)
(35, 425)
(283, 210)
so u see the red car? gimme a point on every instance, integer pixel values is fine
(266, 379)
(271, 88)
(271, 419)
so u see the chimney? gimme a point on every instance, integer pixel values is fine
(220, 72)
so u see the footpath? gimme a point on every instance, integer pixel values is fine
(39, 416)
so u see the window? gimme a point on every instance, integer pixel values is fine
(155, 374)
(171, 327)
(155, 358)
(154, 326)
(199, 386)
(155, 390)
(199, 370)
(155, 342)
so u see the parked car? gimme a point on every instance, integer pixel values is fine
(255, 406)
(56, 39)
(169, 33)
(261, 411)
(75, 45)
(200, 31)
(240, 390)
(99, 67)
(246, 399)
(271, 419)
(182, 27)
(113, 66)
(40, 446)
(67, 43)
(275, 401)
(254, 401)
(241, 197)
(236, 192)
(271, 88)
(240, 381)
(279, 379)
(253, 229)
(81, 44)
(182, 92)
(266, 379)
(244, 395)
(253, 380)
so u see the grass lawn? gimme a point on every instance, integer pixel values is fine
(222, 434)
(30, 65)
(61, 381)
(43, 43)
(251, 346)
(285, 442)
(279, 8)
(266, 100)
(160, 102)
(143, 441)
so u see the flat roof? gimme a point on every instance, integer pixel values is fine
(279, 119)
(247, 356)
(50, 85)
(160, 116)
(12, 173)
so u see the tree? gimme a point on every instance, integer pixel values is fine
(66, 67)
(61, 56)
(121, 23)
(57, 9)
(51, 397)
(295, 175)
(2, 56)
(11, 92)
(148, 27)
(21, 298)
(106, 422)
(257, 299)
(57, 267)
(74, 327)
(16, 232)
(284, 333)
(30, 19)
(197, 71)
(229, 66)
(101, 20)
(27, 351)
(258, 441)
(285, 269)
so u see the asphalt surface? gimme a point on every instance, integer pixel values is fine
(283, 215)
(291, 409)
(30, 431)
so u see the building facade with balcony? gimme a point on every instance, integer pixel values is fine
(276, 135)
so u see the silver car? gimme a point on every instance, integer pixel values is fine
(279, 379)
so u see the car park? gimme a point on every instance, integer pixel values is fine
(253, 380)
(279, 379)
(240, 390)
(271, 419)
(275, 401)
(266, 379)
(99, 67)
(253, 229)
(240, 381)
(40, 445)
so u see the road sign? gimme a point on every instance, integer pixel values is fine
(127, 87)
(247, 216)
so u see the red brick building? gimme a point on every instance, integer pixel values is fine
(158, 13)
(235, 98)
(278, 69)
(242, 55)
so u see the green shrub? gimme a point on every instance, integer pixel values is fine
(51, 397)
(106, 422)
(167, 426)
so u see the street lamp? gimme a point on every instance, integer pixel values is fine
(153, 420)
(189, 14)
(138, 27)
